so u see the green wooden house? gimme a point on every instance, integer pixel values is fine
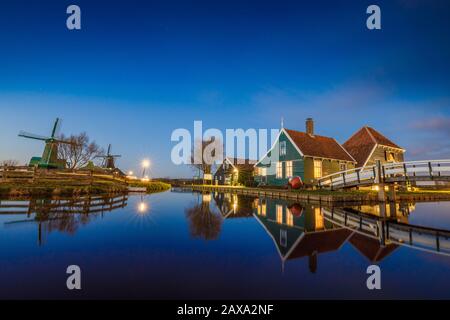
(303, 154)
(233, 171)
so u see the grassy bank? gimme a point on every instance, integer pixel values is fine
(152, 186)
(63, 188)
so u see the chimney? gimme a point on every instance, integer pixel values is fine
(310, 126)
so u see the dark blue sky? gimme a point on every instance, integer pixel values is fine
(140, 69)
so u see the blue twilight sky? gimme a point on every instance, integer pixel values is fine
(140, 69)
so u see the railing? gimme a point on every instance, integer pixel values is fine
(391, 231)
(417, 170)
(438, 170)
(347, 178)
(24, 174)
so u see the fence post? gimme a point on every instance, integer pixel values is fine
(34, 174)
(430, 168)
(91, 177)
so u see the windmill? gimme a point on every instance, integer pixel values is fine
(109, 159)
(49, 157)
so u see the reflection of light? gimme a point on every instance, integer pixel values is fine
(206, 197)
(145, 179)
(142, 207)
(235, 170)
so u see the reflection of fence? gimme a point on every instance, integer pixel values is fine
(391, 231)
(37, 175)
(62, 214)
(79, 205)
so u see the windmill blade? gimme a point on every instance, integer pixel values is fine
(56, 127)
(99, 156)
(109, 150)
(115, 155)
(32, 136)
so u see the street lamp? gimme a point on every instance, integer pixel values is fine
(145, 165)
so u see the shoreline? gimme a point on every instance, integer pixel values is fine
(320, 196)
(74, 189)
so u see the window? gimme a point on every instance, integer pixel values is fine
(279, 170)
(317, 168)
(283, 238)
(342, 167)
(263, 171)
(279, 213)
(289, 169)
(289, 218)
(282, 148)
(263, 208)
(389, 156)
(318, 219)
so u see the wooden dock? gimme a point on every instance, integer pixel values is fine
(313, 197)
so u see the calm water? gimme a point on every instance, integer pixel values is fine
(187, 246)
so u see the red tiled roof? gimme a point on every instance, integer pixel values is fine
(361, 144)
(319, 146)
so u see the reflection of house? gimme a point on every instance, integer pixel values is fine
(371, 248)
(303, 154)
(368, 145)
(233, 206)
(299, 231)
(235, 171)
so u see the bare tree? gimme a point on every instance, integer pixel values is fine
(80, 152)
(204, 153)
(9, 163)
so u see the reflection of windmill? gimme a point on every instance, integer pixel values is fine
(49, 157)
(109, 159)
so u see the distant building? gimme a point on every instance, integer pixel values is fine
(368, 145)
(303, 154)
(234, 171)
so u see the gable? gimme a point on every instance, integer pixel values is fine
(362, 144)
(273, 155)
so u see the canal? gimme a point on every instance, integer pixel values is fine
(184, 245)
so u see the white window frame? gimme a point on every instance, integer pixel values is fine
(283, 148)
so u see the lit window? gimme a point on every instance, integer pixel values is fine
(282, 148)
(279, 170)
(279, 213)
(289, 169)
(390, 156)
(289, 218)
(263, 209)
(263, 171)
(343, 167)
(318, 218)
(317, 168)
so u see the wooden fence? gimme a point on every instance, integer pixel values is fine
(24, 174)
